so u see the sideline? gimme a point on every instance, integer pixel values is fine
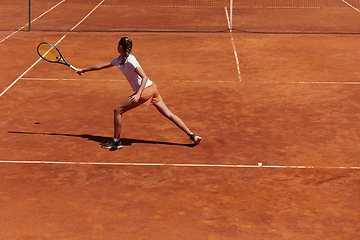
(31, 21)
(54, 45)
(350, 5)
(233, 45)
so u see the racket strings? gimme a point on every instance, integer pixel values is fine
(49, 53)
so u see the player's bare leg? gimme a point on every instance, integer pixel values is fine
(164, 110)
(125, 106)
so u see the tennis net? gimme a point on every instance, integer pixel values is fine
(265, 16)
(297, 16)
(116, 15)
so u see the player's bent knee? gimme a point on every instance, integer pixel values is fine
(118, 111)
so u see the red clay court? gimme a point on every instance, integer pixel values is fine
(273, 89)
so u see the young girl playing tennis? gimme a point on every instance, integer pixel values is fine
(145, 92)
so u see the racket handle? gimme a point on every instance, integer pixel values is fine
(74, 68)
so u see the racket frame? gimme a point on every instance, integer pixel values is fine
(61, 60)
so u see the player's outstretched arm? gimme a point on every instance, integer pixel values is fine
(95, 67)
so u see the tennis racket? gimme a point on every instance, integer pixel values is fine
(50, 53)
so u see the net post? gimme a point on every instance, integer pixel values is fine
(29, 15)
(231, 14)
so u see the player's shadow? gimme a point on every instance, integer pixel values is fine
(101, 139)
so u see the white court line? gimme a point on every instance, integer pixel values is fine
(189, 81)
(325, 83)
(346, 83)
(284, 7)
(233, 45)
(12, 84)
(69, 79)
(32, 21)
(351, 5)
(116, 80)
(259, 165)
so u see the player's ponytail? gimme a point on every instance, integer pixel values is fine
(126, 44)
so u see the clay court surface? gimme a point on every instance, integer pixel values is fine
(293, 106)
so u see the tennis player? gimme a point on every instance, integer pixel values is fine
(145, 92)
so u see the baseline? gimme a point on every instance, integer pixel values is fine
(259, 165)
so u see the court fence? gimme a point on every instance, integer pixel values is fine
(257, 16)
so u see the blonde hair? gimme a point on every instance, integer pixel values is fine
(126, 44)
